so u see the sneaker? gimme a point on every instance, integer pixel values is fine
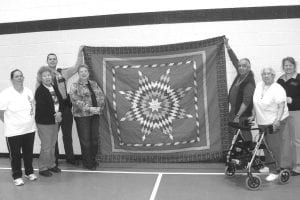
(264, 170)
(272, 177)
(55, 169)
(45, 173)
(31, 177)
(18, 182)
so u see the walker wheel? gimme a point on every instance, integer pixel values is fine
(253, 182)
(284, 176)
(229, 171)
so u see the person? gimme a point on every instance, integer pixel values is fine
(270, 109)
(290, 81)
(49, 107)
(60, 77)
(88, 103)
(241, 90)
(19, 127)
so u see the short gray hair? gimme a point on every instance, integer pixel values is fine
(268, 69)
(42, 70)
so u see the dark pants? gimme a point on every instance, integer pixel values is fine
(15, 144)
(66, 128)
(88, 133)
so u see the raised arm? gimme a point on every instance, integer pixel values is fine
(69, 72)
(232, 56)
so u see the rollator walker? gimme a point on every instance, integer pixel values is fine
(242, 155)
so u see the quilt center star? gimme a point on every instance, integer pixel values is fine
(155, 105)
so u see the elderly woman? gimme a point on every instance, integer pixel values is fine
(270, 108)
(290, 81)
(19, 126)
(49, 104)
(241, 90)
(88, 102)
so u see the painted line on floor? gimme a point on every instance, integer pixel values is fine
(138, 172)
(156, 185)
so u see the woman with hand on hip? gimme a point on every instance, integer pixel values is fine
(19, 126)
(49, 104)
(270, 109)
(290, 81)
(88, 102)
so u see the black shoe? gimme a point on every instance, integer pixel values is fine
(293, 173)
(73, 162)
(55, 169)
(91, 167)
(45, 173)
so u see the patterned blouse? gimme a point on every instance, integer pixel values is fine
(81, 97)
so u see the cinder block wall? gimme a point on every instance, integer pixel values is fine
(264, 42)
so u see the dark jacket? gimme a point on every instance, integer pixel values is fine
(292, 88)
(44, 110)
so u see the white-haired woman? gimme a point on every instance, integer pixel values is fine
(270, 108)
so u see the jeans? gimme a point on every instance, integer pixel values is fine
(15, 144)
(88, 133)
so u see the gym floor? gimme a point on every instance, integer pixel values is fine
(143, 181)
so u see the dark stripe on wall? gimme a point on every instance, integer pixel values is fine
(168, 17)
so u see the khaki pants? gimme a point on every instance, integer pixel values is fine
(280, 144)
(295, 128)
(48, 137)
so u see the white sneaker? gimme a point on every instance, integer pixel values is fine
(264, 170)
(31, 177)
(18, 182)
(272, 177)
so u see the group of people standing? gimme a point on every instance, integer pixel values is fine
(270, 103)
(51, 107)
(47, 110)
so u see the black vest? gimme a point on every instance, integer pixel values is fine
(239, 98)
